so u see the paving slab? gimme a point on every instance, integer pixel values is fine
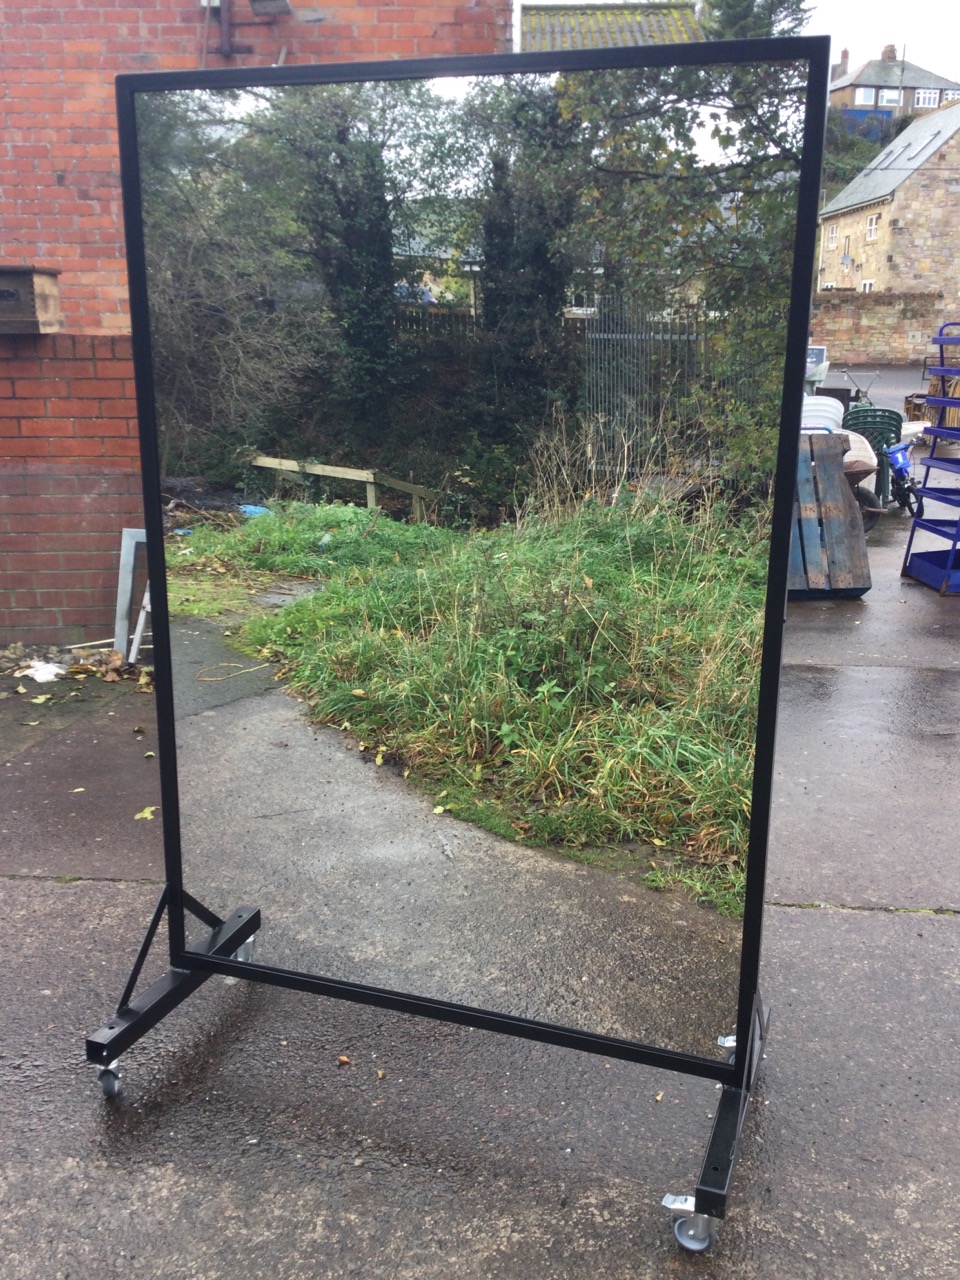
(868, 742)
(72, 780)
(240, 1146)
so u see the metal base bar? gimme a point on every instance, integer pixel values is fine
(145, 946)
(697, 1217)
(713, 1187)
(135, 1019)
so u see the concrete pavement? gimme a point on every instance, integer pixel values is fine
(241, 1148)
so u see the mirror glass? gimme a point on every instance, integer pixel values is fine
(468, 706)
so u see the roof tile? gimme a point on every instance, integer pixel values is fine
(548, 27)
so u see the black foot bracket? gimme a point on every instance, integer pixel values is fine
(697, 1217)
(136, 1016)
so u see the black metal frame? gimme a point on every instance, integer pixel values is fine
(190, 968)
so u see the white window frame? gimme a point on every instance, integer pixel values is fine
(832, 235)
(866, 286)
(873, 226)
(864, 97)
(926, 97)
(889, 97)
(951, 95)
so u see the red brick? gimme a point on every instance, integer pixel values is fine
(67, 369)
(121, 450)
(21, 448)
(21, 408)
(14, 581)
(83, 617)
(95, 388)
(80, 448)
(46, 427)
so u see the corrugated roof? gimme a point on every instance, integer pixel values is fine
(547, 27)
(897, 162)
(880, 74)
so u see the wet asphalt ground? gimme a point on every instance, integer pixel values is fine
(241, 1146)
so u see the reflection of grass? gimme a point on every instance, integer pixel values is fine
(722, 886)
(585, 681)
(580, 681)
(208, 588)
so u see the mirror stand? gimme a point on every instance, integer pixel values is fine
(788, 190)
(228, 949)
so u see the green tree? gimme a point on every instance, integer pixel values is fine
(526, 205)
(847, 151)
(753, 19)
(230, 339)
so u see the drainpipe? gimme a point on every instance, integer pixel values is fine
(226, 33)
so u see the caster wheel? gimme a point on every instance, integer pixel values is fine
(687, 1233)
(108, 1079)
(245, 952)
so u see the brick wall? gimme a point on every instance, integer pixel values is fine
(66, 399)
(878, 328)
(69, 481)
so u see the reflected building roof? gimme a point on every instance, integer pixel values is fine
(548, 27)
(898, 161)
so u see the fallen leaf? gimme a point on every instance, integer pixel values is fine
(358, 693)
(379, 759)
(344, 1061)
(589, 582)
(30, 722)
(76, 789)
(148, 812)
(41, 698)
(138, 728)
(381, 1075)
(149, 755)
(659, 1097)
(111, 677)
(438, 808)
(20, 689)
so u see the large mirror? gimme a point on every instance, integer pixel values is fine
(466, 695)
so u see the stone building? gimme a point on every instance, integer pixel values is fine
(894, 227)
(887, 275)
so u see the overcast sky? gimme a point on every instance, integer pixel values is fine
(930, 29)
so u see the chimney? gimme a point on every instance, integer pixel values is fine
(890, 53)
(840, 69)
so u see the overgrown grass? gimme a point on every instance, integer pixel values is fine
(582, 680)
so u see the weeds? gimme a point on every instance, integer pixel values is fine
(578, 680)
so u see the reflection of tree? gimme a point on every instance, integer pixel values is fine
(278, 224)
(527, 206)
(227, 358)
(342, 206)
